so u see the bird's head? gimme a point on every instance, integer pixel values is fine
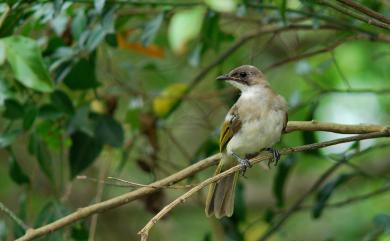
(245, 77)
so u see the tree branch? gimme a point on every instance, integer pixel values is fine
(144, 232)
(363, 9)
(13, 216)
(123, 199)
(364, 18)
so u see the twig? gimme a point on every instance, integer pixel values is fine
(298, 203)
(363, 9)
(133, 184)
(123, 199)
(13, 216)
(346, 11)
(145, 230)
(355, 199)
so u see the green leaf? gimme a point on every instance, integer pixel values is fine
(83, 152)
(8, 137)
(151, 28)
(222, 6)
(24, 56)
(16, 173)
(99, 5)
(82, 75)
(30, 114)
(185, 26)
(62, 102)
(309, 136)
(13, 109)
(284, 169)
(80, 231)
(81, 121)
(79, 24)
(282, 9)
(50, 112)
(108, 131)
(326, 191)
(39, 149)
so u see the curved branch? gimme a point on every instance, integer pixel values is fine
(191, 170)
(262, 157)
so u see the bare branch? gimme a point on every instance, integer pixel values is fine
(144, 232)
(363, 9)
(13, 216)
(123, 199)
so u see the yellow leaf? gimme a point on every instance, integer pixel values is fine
(163, 103)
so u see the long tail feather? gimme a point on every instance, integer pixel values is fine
(220, 198)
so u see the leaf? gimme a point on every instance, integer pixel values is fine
(326, 191)
(309, 136)
(281, 176)
(83, 152)
(8, 137)
(80, 121)
(24, 56)
(39, 149)
(99, 5)
(151, 50)
(49, 111)
(13, 109)
(30, 114)
(222, 6)
(16, 173)
(79, 24)
(82, 75)
(282, 9)
(80, 231)
(62, 102)
(185, 26)
(108, 131)
(151, 28)
(164, 103)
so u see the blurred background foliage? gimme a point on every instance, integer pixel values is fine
(127, 89)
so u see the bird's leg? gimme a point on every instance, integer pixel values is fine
(244, 163)
(275, 156)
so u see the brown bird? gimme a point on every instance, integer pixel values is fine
(253, 124)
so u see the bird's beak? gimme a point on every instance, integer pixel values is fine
(224, 77)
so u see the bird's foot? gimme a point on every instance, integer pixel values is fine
(244, 163)
(275, 156)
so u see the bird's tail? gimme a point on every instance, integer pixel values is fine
(220, 198)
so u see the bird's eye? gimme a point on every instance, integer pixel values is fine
(243, 74)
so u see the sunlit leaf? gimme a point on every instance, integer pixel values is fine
(99, 4)
(166, 101)
(24, 56)
(222, 6)
(185, 26)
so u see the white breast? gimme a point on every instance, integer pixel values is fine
(260, 129)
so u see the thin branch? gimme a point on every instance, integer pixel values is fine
(133, 184)
(333, 127)
(123, 199)
(144, 232)
(363, 9)
(13, 216)
(346, 11)
(354, 199)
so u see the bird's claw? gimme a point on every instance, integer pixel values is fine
(244, 164)
(275, 156)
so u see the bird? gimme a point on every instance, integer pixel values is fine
(253, 124)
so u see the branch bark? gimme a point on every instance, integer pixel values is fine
(123, 199)
(144, 232)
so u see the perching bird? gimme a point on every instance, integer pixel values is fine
(253, 124)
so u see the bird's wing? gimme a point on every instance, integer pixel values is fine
(285, 122)
(229, 128)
